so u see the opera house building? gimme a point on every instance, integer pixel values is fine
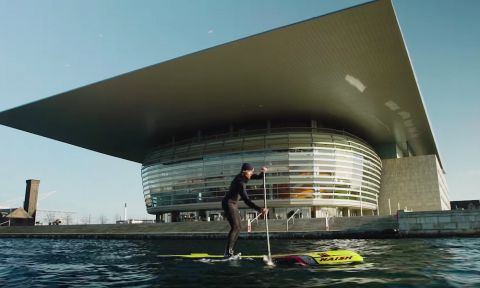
(331, 105)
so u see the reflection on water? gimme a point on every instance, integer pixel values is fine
(444, 262)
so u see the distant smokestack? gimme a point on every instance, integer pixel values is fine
(125, 216)
(31, 197)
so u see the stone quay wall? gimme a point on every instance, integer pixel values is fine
(439, 223)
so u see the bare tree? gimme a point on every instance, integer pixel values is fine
(68, 219)
(85, 220)
(50, 217)
(103, 219)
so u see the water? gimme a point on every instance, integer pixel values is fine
(442, 262)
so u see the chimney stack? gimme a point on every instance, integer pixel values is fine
(125, 218)
(31, 197)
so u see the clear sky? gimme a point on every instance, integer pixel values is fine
(48, 47)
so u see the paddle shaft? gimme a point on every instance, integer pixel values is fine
(266, 217)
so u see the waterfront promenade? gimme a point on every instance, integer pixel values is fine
(405, 224)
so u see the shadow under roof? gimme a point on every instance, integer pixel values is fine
(350, 67)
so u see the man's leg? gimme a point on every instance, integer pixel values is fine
(228, 214)
(230, 233)
(235, 231)
(233, 218)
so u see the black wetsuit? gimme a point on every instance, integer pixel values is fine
(230, 207)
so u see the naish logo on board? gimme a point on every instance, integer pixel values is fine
(338, 258)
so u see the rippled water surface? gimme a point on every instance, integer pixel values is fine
(443, 262)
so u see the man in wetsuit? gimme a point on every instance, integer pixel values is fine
(230, 203)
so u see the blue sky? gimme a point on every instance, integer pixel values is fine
(48, 47)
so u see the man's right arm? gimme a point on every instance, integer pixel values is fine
(246, 199)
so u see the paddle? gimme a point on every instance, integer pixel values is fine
(269, 260)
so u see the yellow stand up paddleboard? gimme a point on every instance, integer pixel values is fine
(303, 259)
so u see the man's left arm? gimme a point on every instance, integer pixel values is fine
(259, 176)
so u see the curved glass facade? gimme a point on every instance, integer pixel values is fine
(307, 168)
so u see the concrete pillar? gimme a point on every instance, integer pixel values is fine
(175, 216)
(202, 214)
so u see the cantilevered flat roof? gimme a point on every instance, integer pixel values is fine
(349, 68)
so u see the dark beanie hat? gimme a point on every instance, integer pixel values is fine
(247, 166)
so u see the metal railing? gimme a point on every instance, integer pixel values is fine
(249, 222)
(292, 217)
(1, 224)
